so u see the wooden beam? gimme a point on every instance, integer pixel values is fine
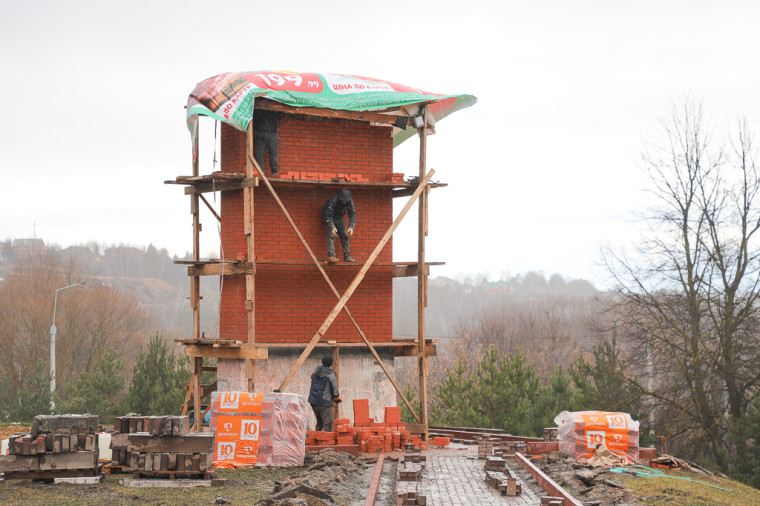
(369, 117)
(222, 268)
(195, 282)
(197, 371)
(430, 351)
(218, 218)
(406, 271)
(250, 280)
(255, 353)
(422, 279)
(221, 186)
(355, 283)
(336, 368)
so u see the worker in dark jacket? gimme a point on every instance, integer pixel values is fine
(266, 137)
(336, 207)
(324, 394)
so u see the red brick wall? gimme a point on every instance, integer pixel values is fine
(292, 301)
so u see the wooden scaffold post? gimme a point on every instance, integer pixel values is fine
(422, 361)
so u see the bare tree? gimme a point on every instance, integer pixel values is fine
(688, 299)
(91, 320)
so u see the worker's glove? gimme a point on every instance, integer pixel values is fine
(338, 400)
(350, 232)
(334, 231)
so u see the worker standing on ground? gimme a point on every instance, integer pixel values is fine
(324, 394)
(336, 207)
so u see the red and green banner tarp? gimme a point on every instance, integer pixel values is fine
(229, 97)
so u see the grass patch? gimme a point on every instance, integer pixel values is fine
(244, 486)
(675, 491)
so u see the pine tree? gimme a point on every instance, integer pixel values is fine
(743, 435)
(556, 396)
(454, 405)
(490, 391)
(33, 396)
(602, 385)
(99, 392)
(159, 380)
(523, 387)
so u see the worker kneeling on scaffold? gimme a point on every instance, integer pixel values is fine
(335, 209)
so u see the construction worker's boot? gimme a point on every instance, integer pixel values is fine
(332, 260)
(348, 259)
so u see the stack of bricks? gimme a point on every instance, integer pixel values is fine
(441, 441)
(501, 478)
(486, 446)
(153, 425)
(407, 490)
(326, 176)
(407, 494)
(161, 446)
(56, 444)
(551, 433)
(371, 436)
(396, 177)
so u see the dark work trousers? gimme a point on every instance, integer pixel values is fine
(324, 416)
(271, 142)
(345, 241)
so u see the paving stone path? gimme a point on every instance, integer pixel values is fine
(456, 477)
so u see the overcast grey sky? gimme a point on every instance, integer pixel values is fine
(542, 171)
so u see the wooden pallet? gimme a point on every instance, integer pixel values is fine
(177, 475)
(50, 475)
(109, 469)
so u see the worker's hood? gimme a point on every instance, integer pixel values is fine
(323, 372)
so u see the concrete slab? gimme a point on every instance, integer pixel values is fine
(80, 480)
(150, 483)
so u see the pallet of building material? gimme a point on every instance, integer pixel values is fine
(408, 494)
(409, 472)
(83, 463)
(171, 464)
(580, 433)
(109, 469)
(153, 425)
(259, 429)
(193, 442)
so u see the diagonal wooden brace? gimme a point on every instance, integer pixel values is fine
(334, 290)
(355, 283)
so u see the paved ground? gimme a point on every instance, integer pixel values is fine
(455, 476)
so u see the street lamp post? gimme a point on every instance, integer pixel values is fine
(53, 332)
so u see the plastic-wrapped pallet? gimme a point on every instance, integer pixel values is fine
(258, 429)
(581, 432)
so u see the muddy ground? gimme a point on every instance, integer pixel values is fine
(326, 478)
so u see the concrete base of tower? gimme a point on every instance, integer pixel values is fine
(359, 377)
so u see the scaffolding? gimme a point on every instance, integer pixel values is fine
(196, 185)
